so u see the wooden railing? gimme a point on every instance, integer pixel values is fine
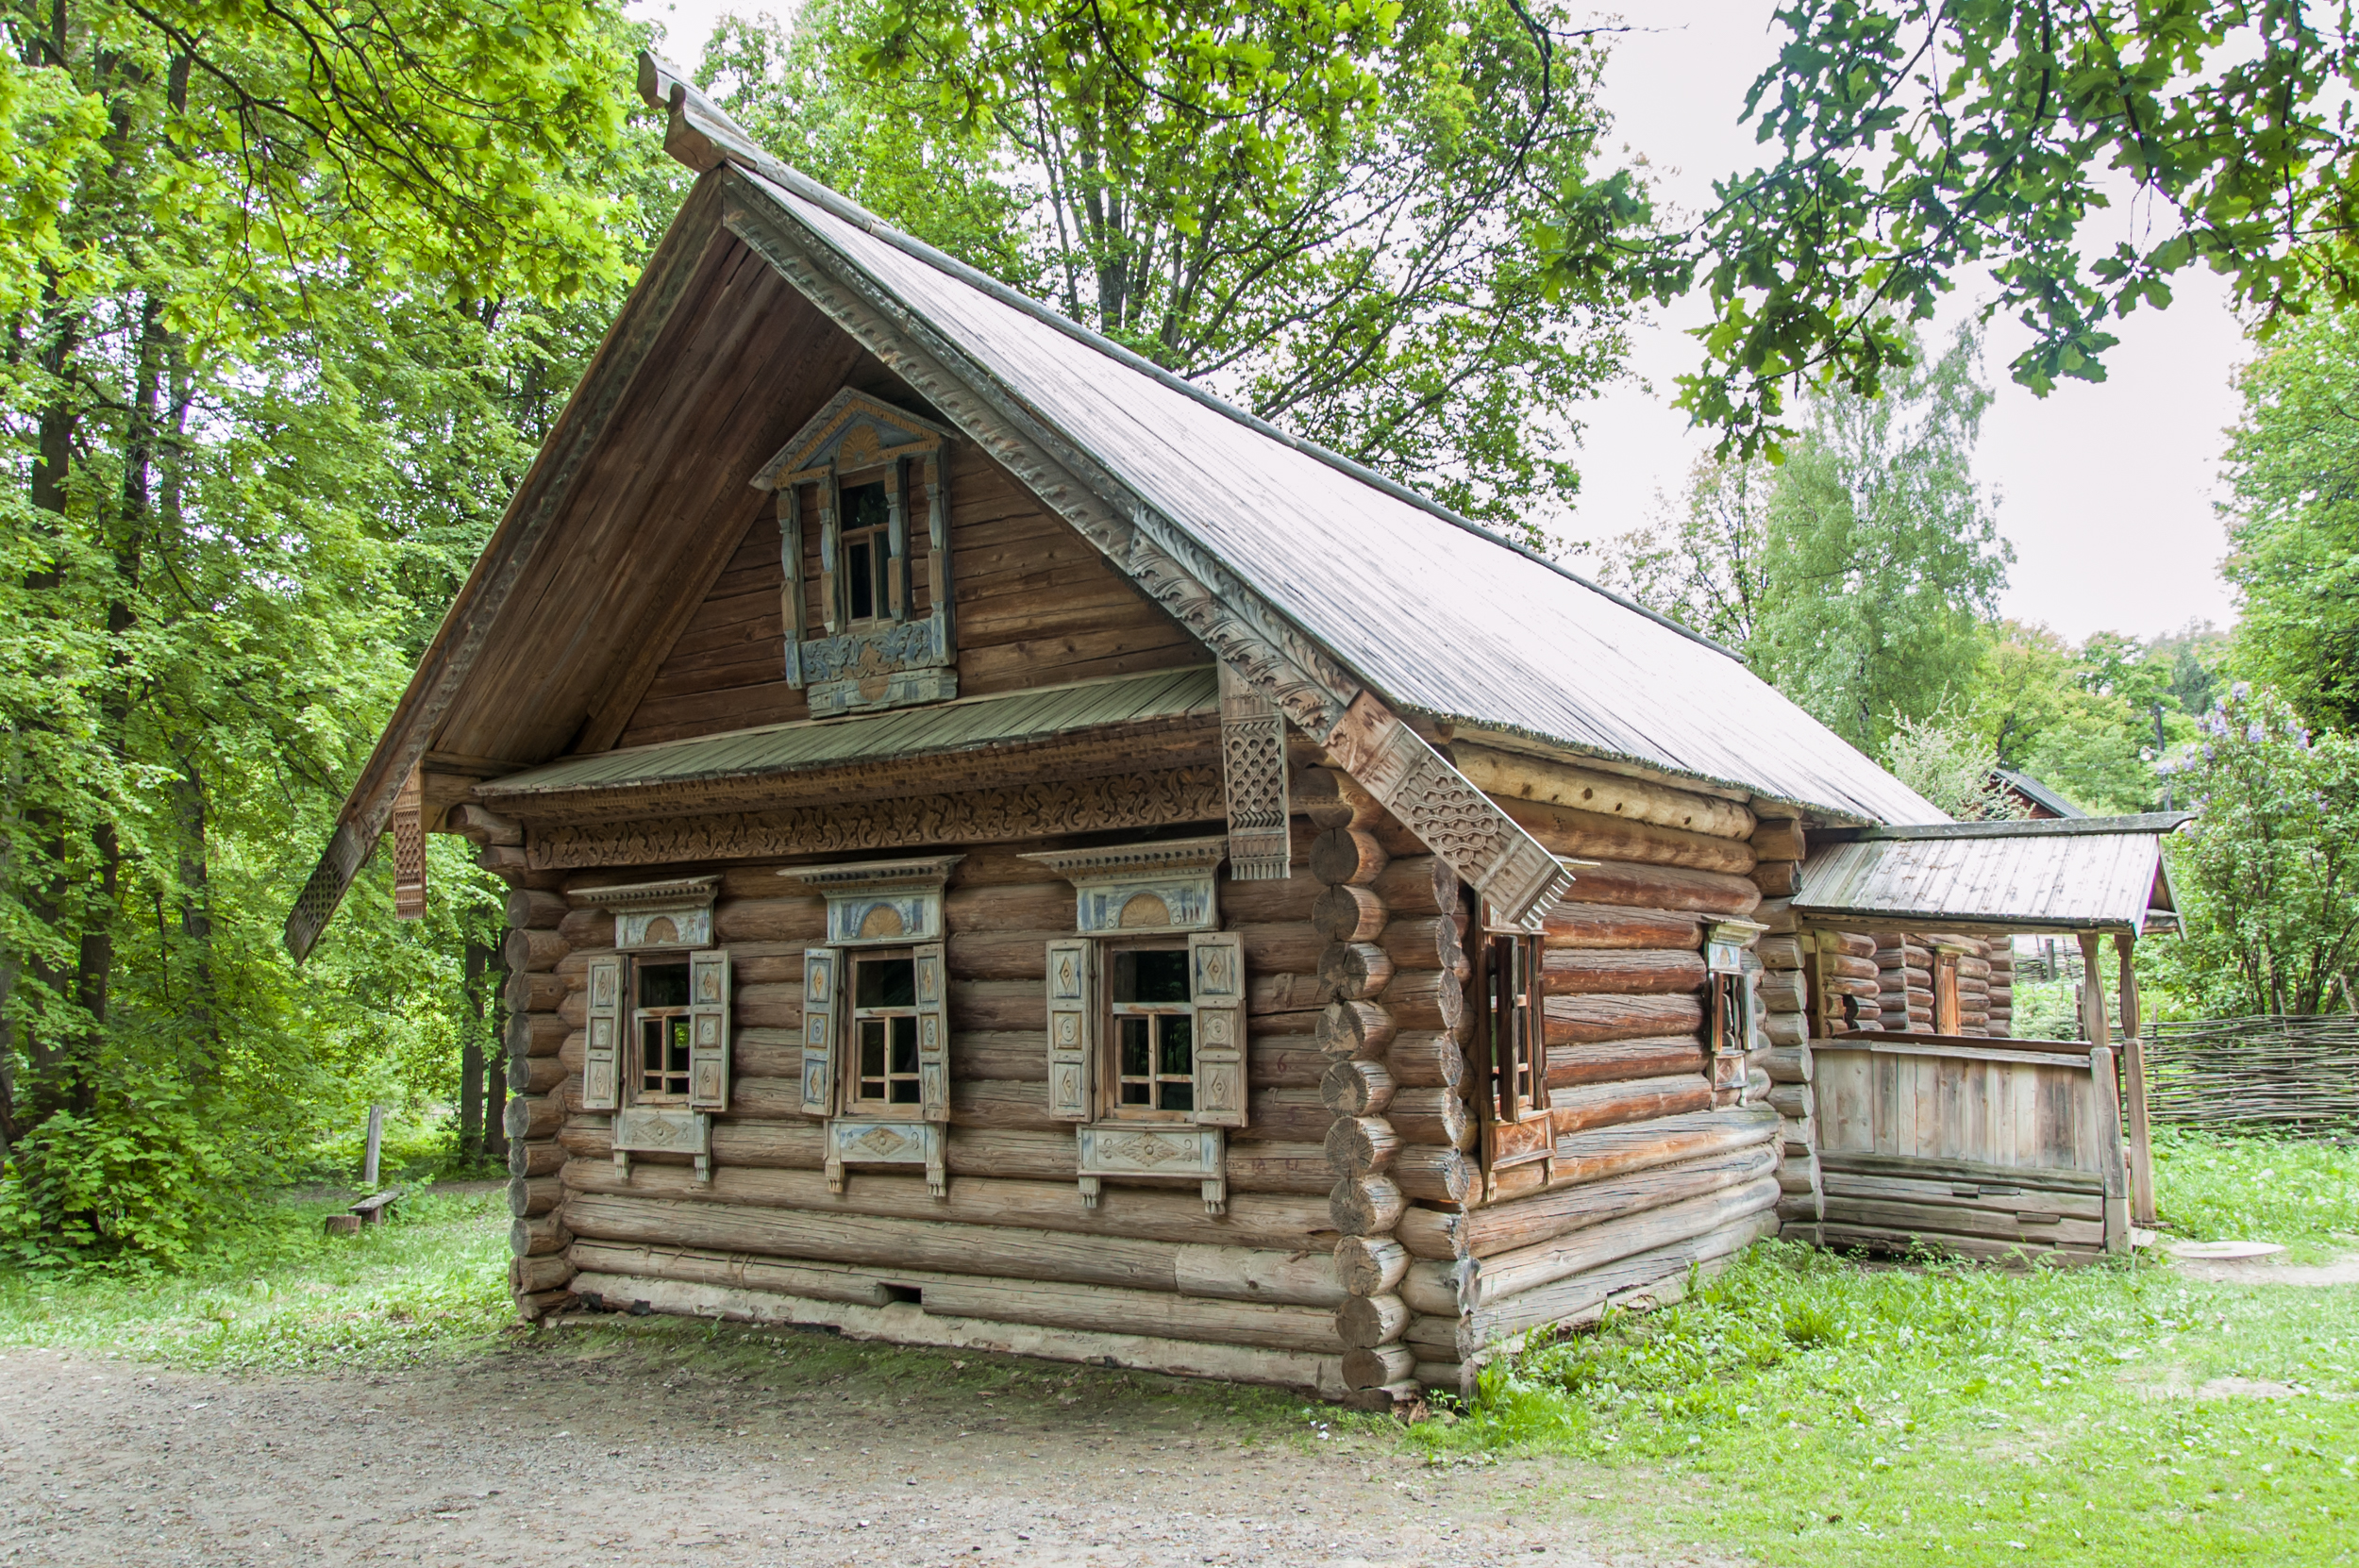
(2288, 1074)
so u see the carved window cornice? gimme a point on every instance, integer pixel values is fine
(675, 912)
(1142, 888)
(880, 901)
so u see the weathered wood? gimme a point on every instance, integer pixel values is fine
(1371, 1265)
(530, 991)
(1585, 1020)
(1706, 893)
(538, 1236)
(1358, 1029)
(1412, 886)
(531, 1195)
(1598, 1105)
(1613, 1061)
(1364, 1205)
(1788, 1063)
(531, 1118)
(535, 1075)
(1330, 798)
(534, 909)
(1357, 1146)
(537, 1160)
(1347, 855)
(532, 1275)
(1424, 941)
(1780, 952)
(1589, 835)
(1572, 925)
(1780, 839)
(1426, 999)
(1366, 1321)
(1426, 1060)
(1357, 1089)
(1777, 879)
(1349, 913)
(1850, 944)
(1577, 971)
(535, 1034)
(1435, 1174)
(1512, 1294)
(1435, 1116)
(531, 949)
(1791, 1099)
(1502, 1229)
(1510, 776)
(783, 918)
(1377, 1366)
(1777, 916)
(1782, 991)
(1785, 1028)
(1289, 947)
(1354, 970)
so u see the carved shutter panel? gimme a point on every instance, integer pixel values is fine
(1072, 1031)
(1216, 968)
(934, 1032)
(602, 1053)
(709, 1029)
(822, 968)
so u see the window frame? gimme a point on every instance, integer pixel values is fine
(887, 604)
(675, 1018)
(853, 1102)
(1110, 1077)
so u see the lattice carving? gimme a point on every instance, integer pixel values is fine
(408, 834)
(988, 816)
(1253, 764)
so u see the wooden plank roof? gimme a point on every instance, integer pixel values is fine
(2078, 873)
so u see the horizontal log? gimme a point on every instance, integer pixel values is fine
(1046, 904)
(1354, 1029)
(1785, 1028)
(1579, 925)
(1289, 947)
(536, 1160)
(1349, 913)
(1777, 879)
(1426, 999)
(1283, 1115)
(1993, 1197)
(1433, 1116)
(1973, 969)
(1414, 885)
(483, 826)
(1357, 1089)
(1552, 1245)
(1364, 1205)
(1585, 1020)
(1780, 839)
(1435, 1174)
(535, 1034)
(1904, 956)
(538, 1236)
(1937, 1220)
(1366, 1321)
(535, 1075)
(1780, 952)
(1424, 941)
(535, 1276)
(1369, 1265)
(1598, 1105)
(1590, 835)
(530, 949)
(1798, 1174)
(530, 991)
(1377, 1366)
(1705, 893)
(1848, 967)
(1347, 855)
(1788, 1063)
(1777, 916)
(1617, 1060)
(1791, 1099)
(1632, 972)
(799, 917)
(1514, 777)
(1782, 991)
(535, 909)
(1166, 1214)
(1850, 944)
(531, 1195)
(1502, 1229)
(1357, 1146)
(1354, 970)
(531, 1118)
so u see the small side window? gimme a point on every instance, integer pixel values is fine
(659, 1030)
(866, 552)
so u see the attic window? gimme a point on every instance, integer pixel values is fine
(867, 552)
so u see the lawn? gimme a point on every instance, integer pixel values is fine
(1800, 1410)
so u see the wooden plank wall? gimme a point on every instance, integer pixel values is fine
(1037, 605)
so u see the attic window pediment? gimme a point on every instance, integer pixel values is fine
(866, 479)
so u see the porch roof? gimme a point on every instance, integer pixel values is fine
(2073, 874)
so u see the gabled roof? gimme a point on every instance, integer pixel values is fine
(2070, 873)
(2038, 793)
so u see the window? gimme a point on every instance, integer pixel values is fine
(660, 1028)
(1945, 992)
(884, 1031)
(868, 553)
(1511, 1051)
(1153, 1031)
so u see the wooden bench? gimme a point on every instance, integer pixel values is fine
(369, 1210)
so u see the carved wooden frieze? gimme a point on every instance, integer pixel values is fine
(1253, 764)
(1139, 888)
(986, 816)
(880, 901)
(676, 912)
(1142, 1149)
(884, 666)
(409, 835)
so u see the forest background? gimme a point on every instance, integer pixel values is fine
(292, 295)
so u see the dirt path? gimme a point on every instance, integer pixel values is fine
(632, 1460)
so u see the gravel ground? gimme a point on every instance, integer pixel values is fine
(592, 1454)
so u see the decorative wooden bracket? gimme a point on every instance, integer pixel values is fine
(408, 834)
(1253, 770)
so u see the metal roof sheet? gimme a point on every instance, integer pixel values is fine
(1013, 718)
(1439, 615)
(2105, 873)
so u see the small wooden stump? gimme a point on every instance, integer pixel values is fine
(344, 1225)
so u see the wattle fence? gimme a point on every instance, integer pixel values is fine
(2299, 1075)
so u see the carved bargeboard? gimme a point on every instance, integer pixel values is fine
(986, 816)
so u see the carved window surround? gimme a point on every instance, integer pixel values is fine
(1733, 1001)
(880, 901)
(677, 913)
(1139, 889)
(889, 658)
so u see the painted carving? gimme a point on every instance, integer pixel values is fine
(1112, 1149)
(1151, 887)
(989, 816)
(1253, 764)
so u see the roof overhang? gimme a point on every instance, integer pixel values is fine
(2070, 875)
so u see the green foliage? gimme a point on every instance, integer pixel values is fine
(2294, 526)
(2096, 722)
(1705, 564)
(1947, 762)
(1910, 141)
(2267, 875)
(1884, 558)
(1339, 215)
(2302, 1194)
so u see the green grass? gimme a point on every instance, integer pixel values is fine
(2217, 1189)
(282, 1294)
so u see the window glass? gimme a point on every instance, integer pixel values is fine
(659, 1008)
(884, 1029)
(886, 982)
(1151, 975)
(1154, 1031)
(866, 515)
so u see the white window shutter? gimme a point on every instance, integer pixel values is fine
(933, 1032)
(709, 1029)
(1072, 1031)
(602, 1052)
(823, 968)
(1216, 970)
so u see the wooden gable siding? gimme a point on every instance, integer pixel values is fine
(1037, 605)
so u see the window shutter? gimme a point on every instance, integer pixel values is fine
(601, 1056)
(1072, 1032)
(934, 1032)
(822, 968)
(709, 1029)
(1216, 965)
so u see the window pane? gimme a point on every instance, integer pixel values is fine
(872, 1047)
(905, 1044)
(861, 573)
(662, 985)
(1136, 1061)
(1177, 1096)
(1179, 1052)
(677, 1028)
(1152, 975)
(886, 983)
(864, 506)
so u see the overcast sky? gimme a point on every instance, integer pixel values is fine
(2106, 492)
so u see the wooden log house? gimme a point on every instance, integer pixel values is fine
(1007, 851)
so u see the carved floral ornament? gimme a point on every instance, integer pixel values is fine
(677, 913)
(880, 901)
(1140, 889)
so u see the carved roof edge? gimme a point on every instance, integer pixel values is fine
(931, 871)
(1127, 861)
(673, 891)
(830, 423)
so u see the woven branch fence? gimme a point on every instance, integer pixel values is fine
(2287, 1074)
